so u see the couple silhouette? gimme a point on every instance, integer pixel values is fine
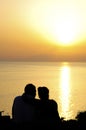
(35, 113)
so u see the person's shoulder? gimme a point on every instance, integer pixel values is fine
(17, 98)
(53, 101)
(37, 101)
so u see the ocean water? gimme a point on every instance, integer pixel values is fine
(66, 82)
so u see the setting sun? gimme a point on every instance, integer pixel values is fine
(61, 27)
(65, 31)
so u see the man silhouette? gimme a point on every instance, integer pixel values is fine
(48, 110)
(24, 106)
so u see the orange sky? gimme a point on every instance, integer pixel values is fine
(43, 30)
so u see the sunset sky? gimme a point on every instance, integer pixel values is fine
(43, 30)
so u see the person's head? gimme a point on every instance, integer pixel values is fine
(30, 89)
(43, 93)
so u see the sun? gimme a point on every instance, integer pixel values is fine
(58, 27)
(65, 32)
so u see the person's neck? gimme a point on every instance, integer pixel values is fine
(29, 96)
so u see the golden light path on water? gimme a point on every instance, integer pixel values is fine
(65, 91)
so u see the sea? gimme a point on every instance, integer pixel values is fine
(66, 82)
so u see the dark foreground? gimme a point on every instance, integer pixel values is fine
(79, 123)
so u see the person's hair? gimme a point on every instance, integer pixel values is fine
(43, 93)
(30, 89)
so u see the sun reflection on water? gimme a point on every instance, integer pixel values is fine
(65, 91)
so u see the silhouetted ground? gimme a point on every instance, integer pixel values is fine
(78, 123)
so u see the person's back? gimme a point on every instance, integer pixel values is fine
(24, 106)
(22, 111)
(48, 109)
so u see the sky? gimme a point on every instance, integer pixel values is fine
(43, 30)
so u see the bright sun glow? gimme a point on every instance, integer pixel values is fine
(56, 23)
(65, 31)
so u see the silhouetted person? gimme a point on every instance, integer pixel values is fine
(48, 110)
(24, 106)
